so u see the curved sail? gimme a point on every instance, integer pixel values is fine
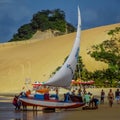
(63, 77)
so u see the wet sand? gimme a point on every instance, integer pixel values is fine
(104, 112)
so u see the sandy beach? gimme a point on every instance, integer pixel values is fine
(104, 112)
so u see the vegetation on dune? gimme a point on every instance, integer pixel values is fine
(108, 52)
(44, 20)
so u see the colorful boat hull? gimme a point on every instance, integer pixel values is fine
(50, 103)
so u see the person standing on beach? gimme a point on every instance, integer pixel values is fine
(117, 96)
(110, 97)
(16, 102)
(79, 92)
(57, 93)
(87, 99)
(102, 97)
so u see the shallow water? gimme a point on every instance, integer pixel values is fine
(7, 112)
(29, 115)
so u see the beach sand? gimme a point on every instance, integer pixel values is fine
(104, 112)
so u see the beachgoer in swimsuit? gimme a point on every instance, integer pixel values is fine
(110, 97)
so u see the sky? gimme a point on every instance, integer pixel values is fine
(94, 13)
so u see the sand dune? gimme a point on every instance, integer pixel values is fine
(37, 59)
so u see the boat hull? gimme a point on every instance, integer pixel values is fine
(50, 103)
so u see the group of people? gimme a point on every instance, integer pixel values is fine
(111, 96)
(89, 99)
(92, 101)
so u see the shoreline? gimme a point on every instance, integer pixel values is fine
(95, 91)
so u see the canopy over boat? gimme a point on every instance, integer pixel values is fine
(78, 82)
(63, 77)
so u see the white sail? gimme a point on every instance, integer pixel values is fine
(63, 77)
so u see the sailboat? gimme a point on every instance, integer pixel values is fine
(62, 78)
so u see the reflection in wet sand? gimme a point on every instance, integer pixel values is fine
(28, 115)
(7, 112)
